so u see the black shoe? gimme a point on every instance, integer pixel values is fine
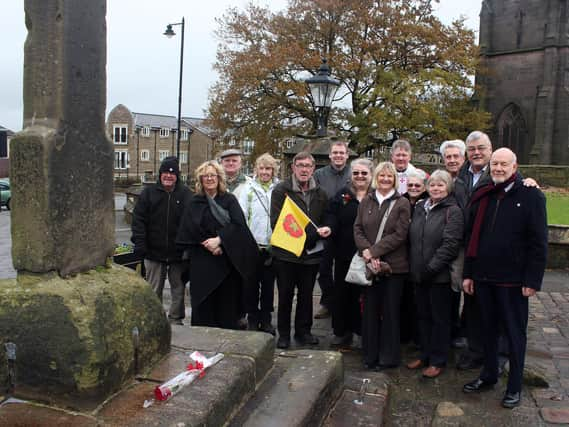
(380, 367)
(268, 328)
(252, 325)
(283, 342)
(342, 340)
(467, 363)
(511, 400)
(323, 313)
(459, 343)
(477, 386)
(306, 339)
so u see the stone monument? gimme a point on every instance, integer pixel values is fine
(80, 325)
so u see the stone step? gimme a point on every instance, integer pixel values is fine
(209, 401)
(299, 391)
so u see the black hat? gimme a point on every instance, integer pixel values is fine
(170, 164)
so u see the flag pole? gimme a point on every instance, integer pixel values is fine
(294, 203)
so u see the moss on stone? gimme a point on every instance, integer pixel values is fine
(74, 335)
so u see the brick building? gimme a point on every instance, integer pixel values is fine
(5, 136)
(525, 77)
(141, 141)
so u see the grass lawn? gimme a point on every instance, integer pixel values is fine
(557, 208)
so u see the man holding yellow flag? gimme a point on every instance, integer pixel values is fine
(297, 204)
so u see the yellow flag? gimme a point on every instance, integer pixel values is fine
(289, 230)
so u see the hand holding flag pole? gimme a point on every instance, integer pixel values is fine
(289, 231)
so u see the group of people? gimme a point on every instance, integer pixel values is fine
(474, 226)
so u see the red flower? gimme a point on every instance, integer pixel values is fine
(292, 227)
(346, 197)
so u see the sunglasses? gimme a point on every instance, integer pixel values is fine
(362, 173)
(414, 185)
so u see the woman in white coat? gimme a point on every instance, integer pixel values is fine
(255, 201)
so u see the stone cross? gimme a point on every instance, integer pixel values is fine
(62, 162)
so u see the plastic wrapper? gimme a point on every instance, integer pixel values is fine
(196, 368)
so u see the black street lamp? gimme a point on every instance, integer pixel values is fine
(323, 89)
(170, 33)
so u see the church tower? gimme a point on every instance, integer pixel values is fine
(524, 77)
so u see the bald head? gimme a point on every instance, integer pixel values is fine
(503, 164)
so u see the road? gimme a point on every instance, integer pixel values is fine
(122, 234)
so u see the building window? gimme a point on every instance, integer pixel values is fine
(145, 155)
(289, 143)
(120, 134)
(164, 132)
(248, 146)
(162, 154)
(121, 159)
(146, 131)
(184, 134)
(183, 157)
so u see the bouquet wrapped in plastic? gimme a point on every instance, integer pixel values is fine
(195, 369)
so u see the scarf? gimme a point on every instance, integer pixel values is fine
(219, 213)
(483, 195)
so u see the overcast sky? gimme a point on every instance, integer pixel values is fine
(142, 64)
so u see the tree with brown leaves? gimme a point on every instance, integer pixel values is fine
(403, 73)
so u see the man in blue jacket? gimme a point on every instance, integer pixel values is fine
(505, 259)
(155, 220)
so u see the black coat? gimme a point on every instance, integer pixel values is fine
(240, 252)
(313, 203)
(340, 217)
(434, 240)
(513, 239)
(155, 221)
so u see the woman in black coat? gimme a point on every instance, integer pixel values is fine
(340, 217)
(222, 251)
(435, 237)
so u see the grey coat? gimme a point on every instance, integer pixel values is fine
(434, 240)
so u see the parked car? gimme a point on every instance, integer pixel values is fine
(5, 193)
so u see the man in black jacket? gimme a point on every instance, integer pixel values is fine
(505, 259)
(156, 217)
(299, 271)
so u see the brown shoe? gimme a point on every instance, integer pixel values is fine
(432, 372)
(415, 364)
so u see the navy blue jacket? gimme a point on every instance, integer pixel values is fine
(513, 240)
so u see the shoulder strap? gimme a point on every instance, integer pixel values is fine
(384, 220)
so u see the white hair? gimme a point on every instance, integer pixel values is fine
(453, 143)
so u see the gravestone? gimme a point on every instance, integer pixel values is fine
(81, 326)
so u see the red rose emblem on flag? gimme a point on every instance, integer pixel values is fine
(291, 226)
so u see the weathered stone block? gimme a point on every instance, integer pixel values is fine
(74, 336)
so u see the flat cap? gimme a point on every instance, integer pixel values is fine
(230, 152)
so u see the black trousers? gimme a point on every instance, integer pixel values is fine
(434, 304)
(408, 319)
(325, 277)
(505, 306)
(346, 313)
(291, 275)
(260, 298)
(222, 307)
(380, 326)
(473, 321)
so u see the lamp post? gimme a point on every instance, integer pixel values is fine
(323, 89)
(170, 33)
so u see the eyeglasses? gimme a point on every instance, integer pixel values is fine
(209, 176)
(304, 165)
(357, 173)
(477, 148)
(414, 185)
